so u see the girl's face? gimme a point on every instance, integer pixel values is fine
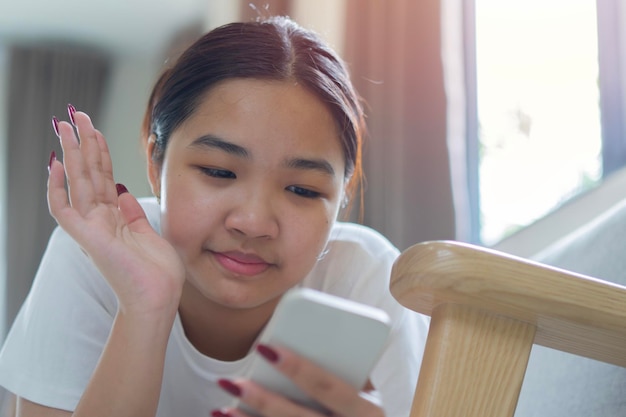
(250, 187)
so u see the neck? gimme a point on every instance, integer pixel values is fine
(218, 331)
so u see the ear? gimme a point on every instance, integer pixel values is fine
(154, 168)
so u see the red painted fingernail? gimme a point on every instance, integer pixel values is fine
(55, 125)
(53, 157)
(121, 189)
(220, 413)
(71, 110)
(229, 387)
(268, 353)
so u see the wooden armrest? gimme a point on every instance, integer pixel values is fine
(495, 306)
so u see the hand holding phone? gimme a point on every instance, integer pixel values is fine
(342, 336)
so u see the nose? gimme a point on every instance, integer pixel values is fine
(254, 216)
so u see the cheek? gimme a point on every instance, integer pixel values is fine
(184, 219)
(180, 206)
(307, 237)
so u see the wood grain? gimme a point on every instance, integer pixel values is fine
(474, 364)
(572, 312)
(487, 309)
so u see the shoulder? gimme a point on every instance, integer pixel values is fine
(362, 239)
(356, 263)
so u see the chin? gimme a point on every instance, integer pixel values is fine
(239, 302)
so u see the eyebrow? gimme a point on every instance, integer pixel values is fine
(320, 165)
(213, 142)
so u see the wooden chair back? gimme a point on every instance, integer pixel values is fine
(487, 309)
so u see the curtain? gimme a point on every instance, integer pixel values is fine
(42, 81)
(393, 49)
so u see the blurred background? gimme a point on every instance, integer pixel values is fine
(103, 57)
(495, 122)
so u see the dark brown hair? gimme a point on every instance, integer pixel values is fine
(277, 49)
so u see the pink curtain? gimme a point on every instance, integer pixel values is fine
(393, 49)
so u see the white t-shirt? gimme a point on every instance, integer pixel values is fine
(60, 331)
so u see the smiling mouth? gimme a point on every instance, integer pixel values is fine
(240, 264)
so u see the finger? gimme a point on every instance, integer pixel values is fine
(80, 188)
(132, 212)
(263, 401)
(331, 391)
(58, 203)
(110, 191)
(57, 195)
(91, 152)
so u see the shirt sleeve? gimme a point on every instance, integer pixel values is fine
(59, 333)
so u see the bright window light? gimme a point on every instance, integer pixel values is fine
(538, 108)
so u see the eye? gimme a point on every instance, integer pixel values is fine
(303, 192)
(218, 173)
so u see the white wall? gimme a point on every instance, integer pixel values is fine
(326, 17)
(220, 12)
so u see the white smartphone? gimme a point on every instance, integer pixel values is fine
(340, 335)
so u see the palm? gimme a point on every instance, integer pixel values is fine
(143, 269)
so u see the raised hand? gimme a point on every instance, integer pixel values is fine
(143, 269)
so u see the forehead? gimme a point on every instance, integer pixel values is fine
(279, 114)
(250, 97)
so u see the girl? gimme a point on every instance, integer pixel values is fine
(153, 307)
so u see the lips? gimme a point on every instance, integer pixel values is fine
(241, 264)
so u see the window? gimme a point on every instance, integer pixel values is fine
(541, 137)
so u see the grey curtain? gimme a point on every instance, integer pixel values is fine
(42, 80)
